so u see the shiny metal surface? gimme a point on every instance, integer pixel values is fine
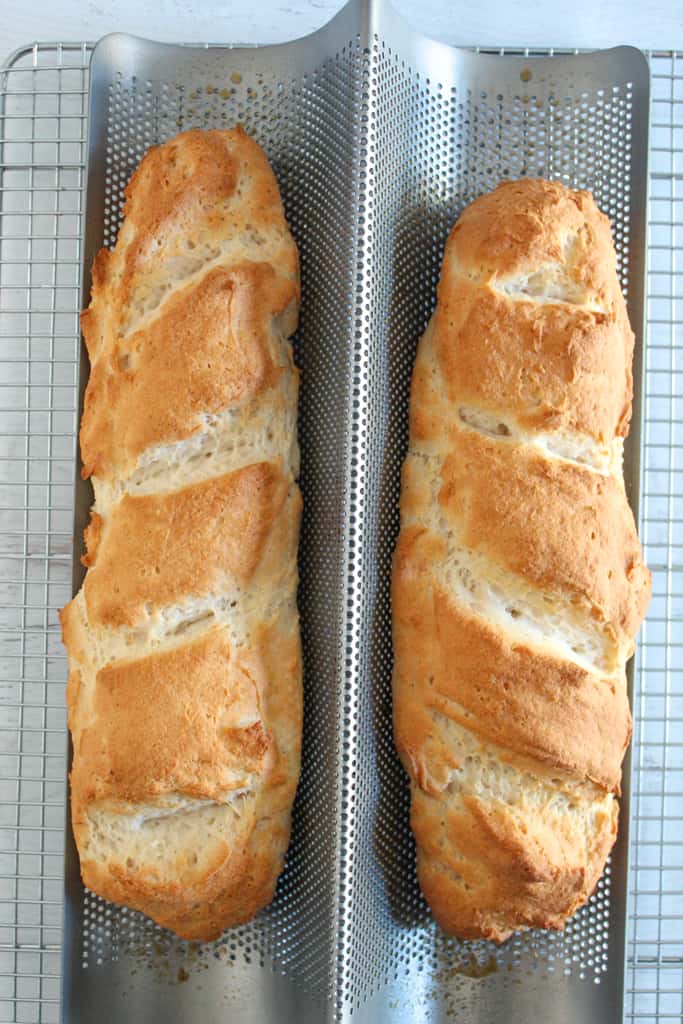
(378, 138)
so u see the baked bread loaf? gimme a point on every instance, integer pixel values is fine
(184, 692)
(518, 583)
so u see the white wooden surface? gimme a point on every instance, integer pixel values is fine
(650, 24)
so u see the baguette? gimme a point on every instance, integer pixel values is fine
(518, 583)
(184, 691)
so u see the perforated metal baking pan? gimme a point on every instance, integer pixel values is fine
(379, 137)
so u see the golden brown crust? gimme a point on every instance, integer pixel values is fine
(485, 874)
(187, 197)
(184, 691)
(226, 523)
(170, 722)
(518, 582)
(552, 523)
(522, 225)
(160, 369)
(569, 366)
(232, 891)
(568, 369)
(455, 662)
(183, 733)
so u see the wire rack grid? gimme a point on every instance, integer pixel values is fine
(43, 109)
(655, 944)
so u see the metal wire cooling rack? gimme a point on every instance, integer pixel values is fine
(43, 106)
(655, 946)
